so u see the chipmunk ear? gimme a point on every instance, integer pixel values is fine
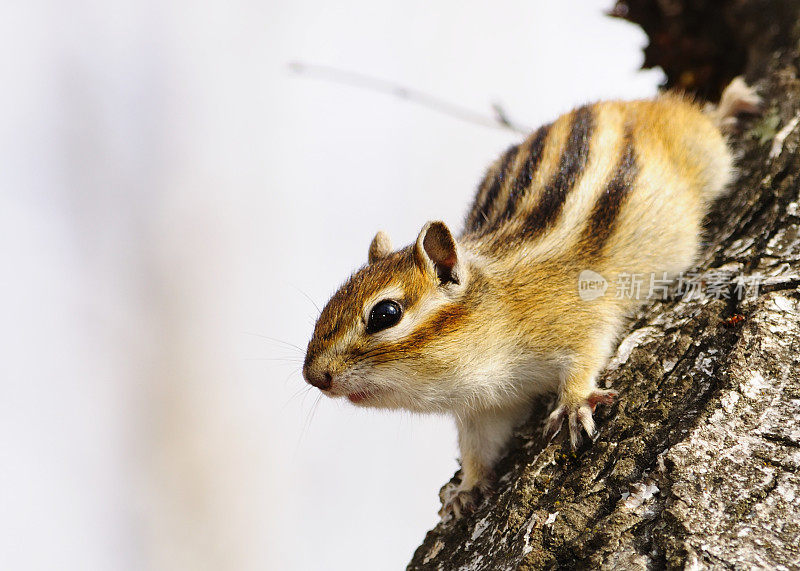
(380, 247)
(437, 251)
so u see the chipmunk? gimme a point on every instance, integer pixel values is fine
(477, 325)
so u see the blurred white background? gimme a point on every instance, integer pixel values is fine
(167, 190)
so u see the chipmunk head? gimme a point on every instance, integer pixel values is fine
(373, 341)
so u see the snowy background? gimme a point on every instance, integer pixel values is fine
(173, 202)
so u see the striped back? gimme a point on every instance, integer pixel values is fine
(526, 192)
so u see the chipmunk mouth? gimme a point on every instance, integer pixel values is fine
(362, 395)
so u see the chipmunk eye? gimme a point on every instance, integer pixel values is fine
(385, 314)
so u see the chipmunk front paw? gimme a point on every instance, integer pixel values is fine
(458, 501)
(579, 414)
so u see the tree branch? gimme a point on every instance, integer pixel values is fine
(697, 465)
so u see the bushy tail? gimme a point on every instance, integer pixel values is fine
(737, 99)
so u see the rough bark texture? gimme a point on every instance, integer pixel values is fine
(698, 464)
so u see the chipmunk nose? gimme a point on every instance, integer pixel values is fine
(320, 379)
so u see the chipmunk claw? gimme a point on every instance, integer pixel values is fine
(578, 416)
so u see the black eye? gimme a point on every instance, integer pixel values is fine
(385, 314)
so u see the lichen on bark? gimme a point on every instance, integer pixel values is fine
(698, 463)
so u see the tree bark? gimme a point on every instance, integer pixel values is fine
(698, 463)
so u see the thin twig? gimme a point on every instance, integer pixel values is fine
(500, 120)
